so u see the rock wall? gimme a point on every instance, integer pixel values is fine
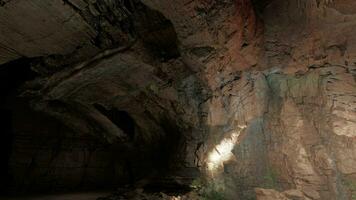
(257, 95)
(48, 157)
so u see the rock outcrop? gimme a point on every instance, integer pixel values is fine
(258, 96)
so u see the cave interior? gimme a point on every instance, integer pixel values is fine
(178, 99)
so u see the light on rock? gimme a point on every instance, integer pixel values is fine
(222, 152)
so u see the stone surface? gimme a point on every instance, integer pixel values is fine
(269, 194)
(47, 156)
(67, 196)
(253, 94)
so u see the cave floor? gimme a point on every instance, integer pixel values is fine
(64, 196)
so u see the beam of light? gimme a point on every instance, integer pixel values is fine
(222, 152)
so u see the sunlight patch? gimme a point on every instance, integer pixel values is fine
(222, 152)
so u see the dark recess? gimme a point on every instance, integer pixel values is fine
(156, 31)
(121, 119)
(259, 6)
(5, 148)
(12, 75)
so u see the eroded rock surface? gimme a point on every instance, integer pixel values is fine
(240, 99)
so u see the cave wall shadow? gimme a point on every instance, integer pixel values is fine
(48, 157)
(5, 148)
(41, 155)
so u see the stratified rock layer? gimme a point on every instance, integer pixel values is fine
(259, 96)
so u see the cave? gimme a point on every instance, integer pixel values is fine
(120, 118)
(178, 100)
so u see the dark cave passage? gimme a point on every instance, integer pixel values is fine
(38, 154)
(5, 146)
(44, 152)
(12, 76)
(41, 155)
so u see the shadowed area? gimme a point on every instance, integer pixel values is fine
(69, 196)
(178, 99)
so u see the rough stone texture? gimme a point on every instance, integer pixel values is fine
(265, 194)
(60, 28)
(253, 94)
(46, 156)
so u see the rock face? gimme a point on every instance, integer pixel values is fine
(47, 156)
(258, 96)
